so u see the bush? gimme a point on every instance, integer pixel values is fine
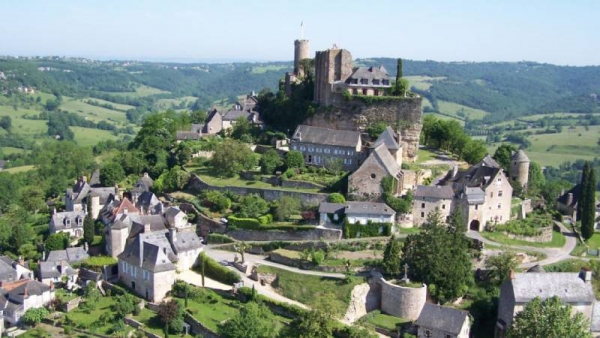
(244, 223)
(294, 159)
(216, 271)
(289, 173)
(218, 239)
(266, 219)
(368, 230)
(318, 257)
(215, 201)
(96, 263)
(336, 198)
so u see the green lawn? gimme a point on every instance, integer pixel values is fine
(152, 323)
(409, 231)
(309, 289)
(11, 150)
(446, 117)
(85, 320)
(381, 320)
(558, 240)
(594, 241)
(89, 137)
(19, 169)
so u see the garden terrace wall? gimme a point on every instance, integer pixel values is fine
(286, 235)
(197, 185)
(198, 328)
(544, 236)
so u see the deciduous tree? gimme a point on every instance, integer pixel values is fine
(269, 161)
(253, 321)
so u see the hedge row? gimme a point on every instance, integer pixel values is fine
(266, 219)
(367, 230)
(254, 224)
(214, 270)
(219, 239)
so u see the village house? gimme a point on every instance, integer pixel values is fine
(70, 222)
(436, 321)
(321, 145)
(356, 212)
(58, 265)
(19, 296)
(574, 289)
(149, 262)
(427, 199)
(365, 182)
(76, 198)
(12, 271)
(371, 81)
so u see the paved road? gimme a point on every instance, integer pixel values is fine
(553, 255)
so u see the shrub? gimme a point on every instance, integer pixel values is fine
(266, 219)
(218, 239)
(367, 230)
(96, 263)
(216, 201)
(318, 257)
(289, 173)
(294, 159)
(34, 316)
(214, 270)
(336, 198)
(244, 223)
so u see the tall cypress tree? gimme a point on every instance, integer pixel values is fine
(89, 229)
(399, 74)
(584, 178)
(588, 204)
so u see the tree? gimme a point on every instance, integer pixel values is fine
(588, 202)
(458, 223)
(33, 198)
(198, 116)
(111, 173)
(231, 157)
(34, 316)
(503, 155)
(124, 305)
(215, 200)
(269, 161)
(391, 264)
(315, 323)
(500, 267)
(439, 257)
(57, 241)
(294, 159)
(549, 318)
(474, 151)
(172, 180)
(171, 315)
(402, 87)
(242, 129)
(6, 122)
(254, 320)
(252, 206)
(376, 129)
(89, 228)
(536, 179)
(336, 197)
(241, 247)
(334, 165)
(286, 206)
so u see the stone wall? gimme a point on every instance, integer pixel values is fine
(72, 304)
(289, 235)
(198, 328)
(404, 115)
(544, 236)
(400, 301)
(197, 184)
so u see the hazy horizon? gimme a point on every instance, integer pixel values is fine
(231, 31)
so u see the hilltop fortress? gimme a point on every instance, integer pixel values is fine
(352, 98)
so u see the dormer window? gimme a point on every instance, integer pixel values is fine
(376, 82)
(386, 82)
(67, 222)
(364, 81)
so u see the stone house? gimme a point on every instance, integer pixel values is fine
(391, 141)
(483, 191)
(365, 182)
(59, 265)
(70, 222)
(436, 321)
(76, 198)
(356, 212)
(567, 202)
(70, 255)
(369, 81)
(12, 271)
(176, 218)
(149, 263)
(321, 145)
(574, 289)
(426, 199)
(18, 297)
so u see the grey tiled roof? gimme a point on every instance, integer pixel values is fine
(569, 287)
(388, 137)
(331, 208)
(196, 128)
(434, 191)
(370, 74)
(383, 156)
(488, 161)
(369, 208)
(520, 156)
(153, 257)
(49, 270)
(475, 195)
(186, 241)
(60, 219)
(442, 318)
(188, 135)
(324, 136)
(234, 114)
(70, 255)
(7, 272)
(576, 191)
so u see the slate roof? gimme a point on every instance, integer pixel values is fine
(369, 208)
(16, 290)
(434, 191)
(49, 270)
(569, 287)
(388, 137)
(153, 256)
(537, 269)
(60, 219)
(7, 272)
(324, 136)
(70, 255)
(196, 128)
(149, 203)
(388, 162)
(186, 241)
(520, 156)
(144, 183)
(488, 161)
(103, 192)
(331, 208)
(474, 195)
(475, 176)
(188, 135)
(87, 274)
(576, 191)
(234, 114)
(370, 74)
(442, 318)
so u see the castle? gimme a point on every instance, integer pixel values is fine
(342, 92)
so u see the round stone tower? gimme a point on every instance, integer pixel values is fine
(519, 168)
(301, 51)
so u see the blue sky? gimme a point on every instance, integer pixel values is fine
(553, 31)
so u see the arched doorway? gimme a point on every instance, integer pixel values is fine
(474, 225)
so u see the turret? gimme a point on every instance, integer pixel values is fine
(519, 168)
(301, 52)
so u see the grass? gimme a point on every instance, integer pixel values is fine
(288, 253)
(20, 169)
(269, 68)
(446, 117)
(65, 295)
(381, 320)
(594, 241)
(310, 290)
(152, 323)
(12, 150)
(93, 113)
(424, 155)
(141, 91)
(453, 108)
(89, 137)
(85, 320)
(409, 231)
(558, 240)
(422, 82)
(209, 177)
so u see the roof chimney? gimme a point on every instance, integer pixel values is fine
(570, 198)
(511, 275)
(173, 234)
(147, 228)
(21, 261)
(586, 275)
(52, 285)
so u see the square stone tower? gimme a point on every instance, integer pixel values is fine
(331, 66)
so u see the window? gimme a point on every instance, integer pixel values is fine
(311, 149)
(500, 193)
(124, 267)
(364, 81)
(335, 151)
(386, 82)
(375, 81)
(133, 271)
(350, 152)
(67, 222)
(364, 92)
(309, 159)
(443, 206)
(448, 336)
(146, 274)
(294, 147)
(319, 150)
(422, 205)
(492, 194)
(317, 159)
(499, 206)
(476, 207)
(327, 150)
(422, 214)
(302, 148)
(427, 334)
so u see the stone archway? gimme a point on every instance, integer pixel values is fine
(474, 225)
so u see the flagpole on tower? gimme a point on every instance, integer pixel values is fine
(302, 30)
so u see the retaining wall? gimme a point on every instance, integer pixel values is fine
(400, 301)
(545, 236)
(286, 235)
(197, 328)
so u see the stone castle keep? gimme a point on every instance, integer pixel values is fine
(343, 92)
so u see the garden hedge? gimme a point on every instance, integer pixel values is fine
(366, 230)
(214, 270)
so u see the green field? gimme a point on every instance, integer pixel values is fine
(269, 68)
(422, 82)
(19, 169)
(446, 117)
(119, 106)
(89, 137)
(164, 104)
(452, 108)
(11, 150)
(570, 145)
(92, 113)
(141, 91)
